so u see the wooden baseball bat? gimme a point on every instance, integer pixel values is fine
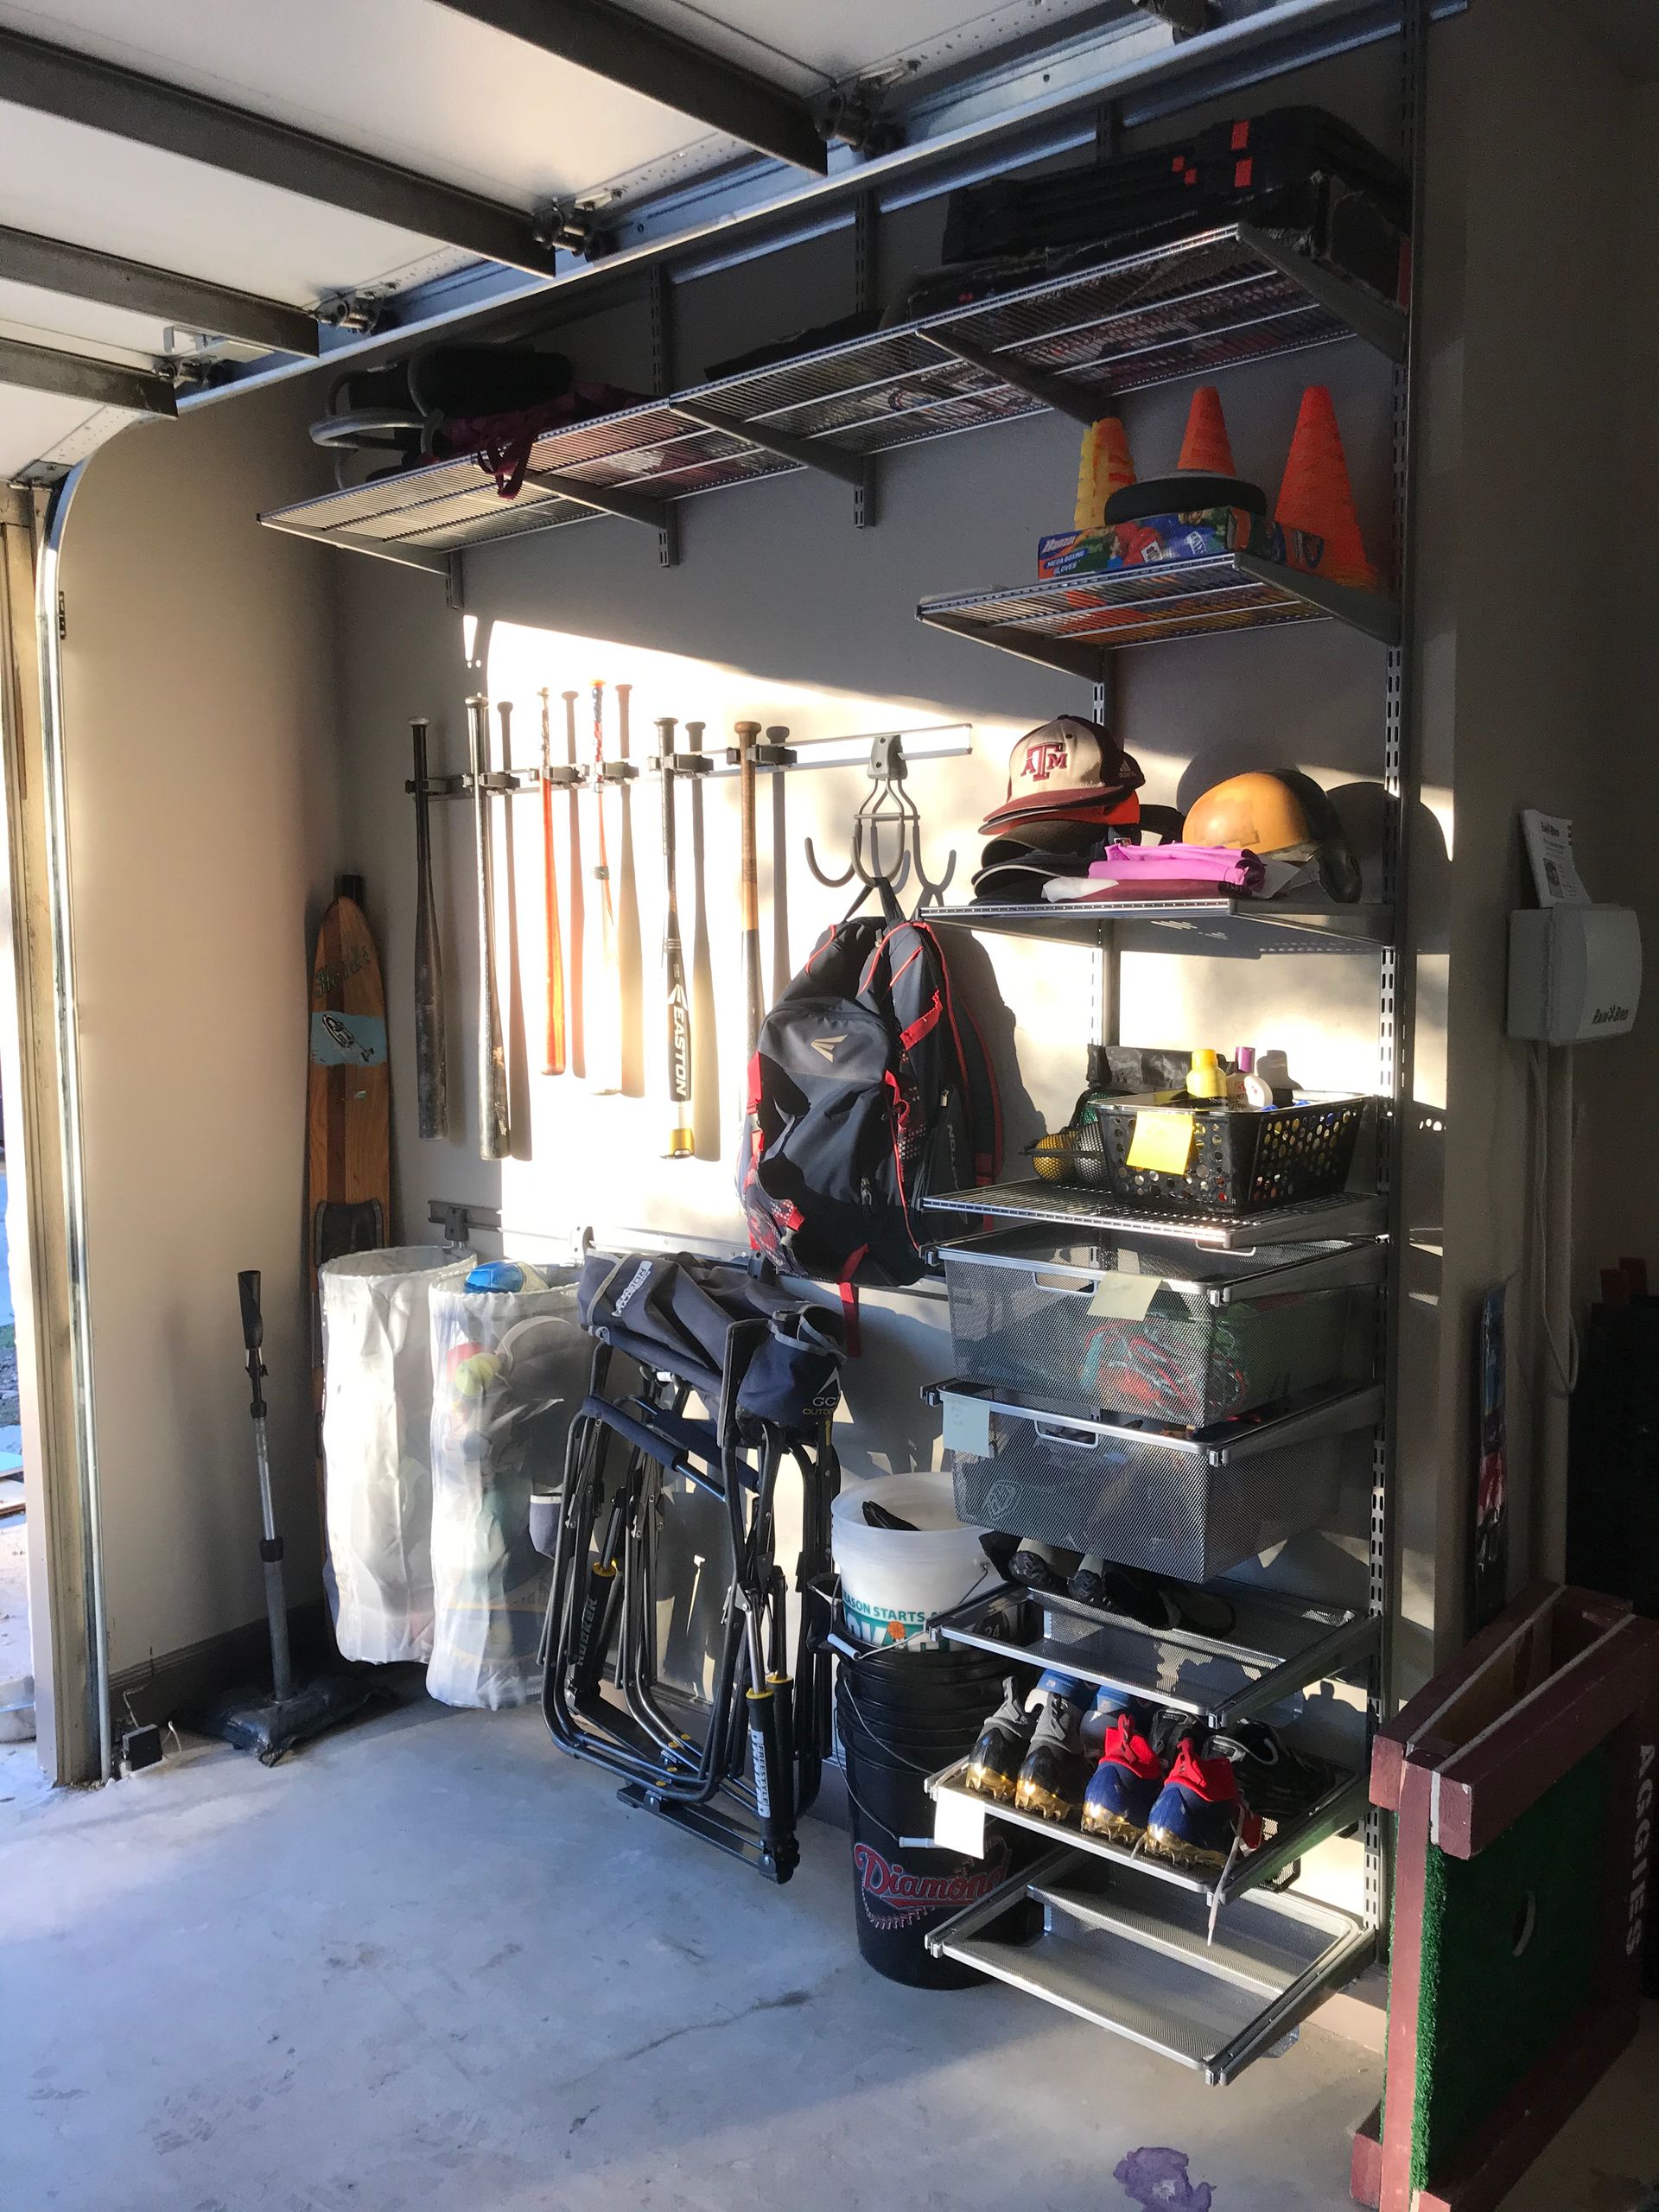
(432, 1059)
(630, 957)
(494, 1135)
(578, 902)
(605, 1061)
(754, 995)
(681, 1142)
(553, 1046)
(780, 968)
(705, 1043)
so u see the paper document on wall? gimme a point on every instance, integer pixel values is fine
(1555, 875)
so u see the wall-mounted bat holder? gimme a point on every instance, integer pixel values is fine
(458, 1219)
(505, 783)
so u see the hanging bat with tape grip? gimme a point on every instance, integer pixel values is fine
(681, 1141)
(431, 1058)
(575, 1026)
(494, 1133)
(604, 1008)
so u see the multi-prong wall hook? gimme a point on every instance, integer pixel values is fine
(887, 809)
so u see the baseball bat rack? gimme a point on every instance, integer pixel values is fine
(507, 783)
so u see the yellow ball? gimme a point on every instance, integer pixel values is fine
(474, 1376)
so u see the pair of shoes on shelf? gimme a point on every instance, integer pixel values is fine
(1195, 1807)
(1149, 1599)
(1032, 1756)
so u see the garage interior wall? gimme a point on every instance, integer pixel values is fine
(203, 800)
(237, 704)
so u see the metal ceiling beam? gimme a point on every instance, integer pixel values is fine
(674, 71)
(106, 384)
(80, 88)
(81, 272)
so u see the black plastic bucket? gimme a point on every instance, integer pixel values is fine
(902, 1890)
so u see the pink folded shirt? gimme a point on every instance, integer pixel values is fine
(1163, 870)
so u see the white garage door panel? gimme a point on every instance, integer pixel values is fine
(67, 182)
(827, 43)
(34, 423)
(45, 319)
(413, 83)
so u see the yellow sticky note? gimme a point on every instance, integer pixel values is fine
(1162, 1142)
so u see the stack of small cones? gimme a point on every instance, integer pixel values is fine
(1316, 499)
(1105, 465)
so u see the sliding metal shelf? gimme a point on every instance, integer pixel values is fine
(1074, 622)
(1211, 301)
(1275, 1647)
(1143, 1964)
(1235, 929)
(1349, 1214)
(1340, 1808)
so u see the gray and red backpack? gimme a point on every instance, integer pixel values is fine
(870, 1088)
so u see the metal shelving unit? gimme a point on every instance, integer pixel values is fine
(1111, 1927)
(1205, 303)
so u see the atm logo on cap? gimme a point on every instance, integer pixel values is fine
(1046, 757)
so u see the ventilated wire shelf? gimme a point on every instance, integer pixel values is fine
(1276, 1646)
(1212, 302)
(1349, 1214)
(1236, 929)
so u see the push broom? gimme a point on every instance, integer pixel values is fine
(250, 1719)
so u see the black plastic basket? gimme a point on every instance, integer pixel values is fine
(1244, 1160)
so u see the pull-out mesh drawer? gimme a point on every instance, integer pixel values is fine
(1127, 1324)
(1173, 1505)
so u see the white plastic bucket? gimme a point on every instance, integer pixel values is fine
(893, 1580)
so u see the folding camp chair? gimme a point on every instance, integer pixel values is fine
(736, 1376)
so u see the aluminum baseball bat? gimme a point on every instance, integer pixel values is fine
(494, 1135)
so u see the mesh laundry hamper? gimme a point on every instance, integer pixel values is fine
(377, 1421)
(509, 1369)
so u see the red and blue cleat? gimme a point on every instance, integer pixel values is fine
(1198, 1818)
(1126, 1784)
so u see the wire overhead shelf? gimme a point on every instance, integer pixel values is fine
(1226, 296)
(1222, 928)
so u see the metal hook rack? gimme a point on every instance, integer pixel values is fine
(887, 807)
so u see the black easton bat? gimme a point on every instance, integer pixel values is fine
(681, 1143)
(431, 1062)
(494, 1135)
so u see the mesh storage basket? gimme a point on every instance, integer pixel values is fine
(1169, 1505)
(1242, 1160)
(1127, 1324)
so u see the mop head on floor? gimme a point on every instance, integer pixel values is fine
(254, 1720)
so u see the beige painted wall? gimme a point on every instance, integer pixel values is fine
(203, 804)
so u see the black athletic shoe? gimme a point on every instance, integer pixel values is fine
(1041, 1567)
(1281, 1783)
(1055, 1777)
(994, 1769)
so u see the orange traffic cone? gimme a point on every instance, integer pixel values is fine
(1105, 467)
(1316, 498)
(1205, 447)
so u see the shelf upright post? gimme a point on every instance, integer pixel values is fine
(660, 294)
(1396, 989)
(867, 294)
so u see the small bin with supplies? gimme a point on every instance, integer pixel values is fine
(1196, 1157)
(1137, 1326)
(1188, 1506)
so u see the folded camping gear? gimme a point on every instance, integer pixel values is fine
(666, 1648)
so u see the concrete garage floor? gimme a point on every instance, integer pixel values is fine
(431, 1963)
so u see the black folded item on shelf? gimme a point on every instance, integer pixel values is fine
(838, 332)
(1297, 171)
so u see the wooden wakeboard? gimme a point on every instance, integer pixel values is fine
(348, 1093)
